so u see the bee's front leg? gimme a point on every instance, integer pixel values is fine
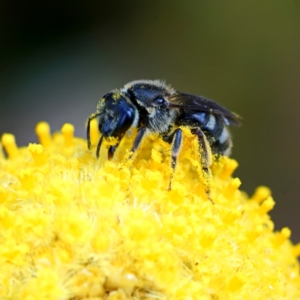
(138, 140)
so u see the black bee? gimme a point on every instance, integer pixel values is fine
(153, 106)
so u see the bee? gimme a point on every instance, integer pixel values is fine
(155, 107)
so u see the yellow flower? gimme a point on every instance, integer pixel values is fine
(74, 227)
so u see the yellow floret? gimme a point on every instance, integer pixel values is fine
(76, 227)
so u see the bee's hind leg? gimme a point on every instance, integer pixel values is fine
(176, 139)
(205, 160)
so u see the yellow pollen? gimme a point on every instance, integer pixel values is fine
(267, 205)
(43, 132)
(38, 153)
(76, 227)
(261, 194)
(68, 132)
(228, 168)
(9, 144)
(116, 96)
(282, 236)
(236, 282)
(296, 250)
(1, 152)
(232, 186)
(94, 132)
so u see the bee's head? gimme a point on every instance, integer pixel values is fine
(116, 115)
(149, 94)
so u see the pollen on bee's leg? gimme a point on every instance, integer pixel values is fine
(42, 130)
(207, 185)
(208, 195)
(170, 181)
(173, 165)
(9, 144)
(68, 132)
(128, 160)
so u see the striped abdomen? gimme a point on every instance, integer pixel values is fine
(213, 127)
(217, 135)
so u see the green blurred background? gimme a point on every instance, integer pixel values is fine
(59, 57)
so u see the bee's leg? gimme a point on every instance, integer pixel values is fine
(99, 146)
(176, 139)
(88, 128)
(204, 157)
(137, 141)
(111, 151)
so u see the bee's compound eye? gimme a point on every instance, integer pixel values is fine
(159, 101)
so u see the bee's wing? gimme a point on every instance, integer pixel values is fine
(194, 102)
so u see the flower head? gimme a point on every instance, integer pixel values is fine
(74, 227)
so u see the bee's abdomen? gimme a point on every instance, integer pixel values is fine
(218, 135)
(213, 127)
